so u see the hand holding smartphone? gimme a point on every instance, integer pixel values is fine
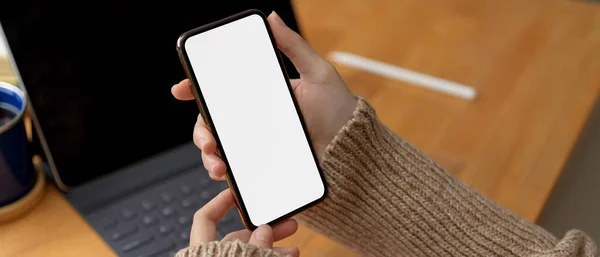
(241, 87)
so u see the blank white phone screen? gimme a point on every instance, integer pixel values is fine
(247, 97)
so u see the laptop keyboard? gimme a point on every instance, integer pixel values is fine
(156, 222)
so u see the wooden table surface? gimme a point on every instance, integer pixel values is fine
(535, 65)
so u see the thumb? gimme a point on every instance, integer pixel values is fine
(262, 237)
(293, 45)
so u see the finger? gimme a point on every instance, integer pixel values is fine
(218, 169)
(204, 227)
(280, 231)
(208, 161)
(202, 137)
(288, 251)
(183, 90)
(204, 140)
(293, 45)
(242, 235)
(284, 229)
(262, 237)
(214, 165)
(295, 83)
(200, 121)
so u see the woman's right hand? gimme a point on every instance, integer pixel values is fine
(325, 101)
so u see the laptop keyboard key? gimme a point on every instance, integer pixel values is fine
(149, 220)
(165, 229)
(148, 205)
(205, 195)
(128, 214)
(137, 241)
(189, 202)
(186, 190)
(184, 220)
(123, 231)
(167, 211)
(109, 223)
(166, 197)
(184, 236)
(204, 181)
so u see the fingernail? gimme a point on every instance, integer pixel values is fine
(277, 18)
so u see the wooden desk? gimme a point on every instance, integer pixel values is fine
(534, 63)
(53, 228)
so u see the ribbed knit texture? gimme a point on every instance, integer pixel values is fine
(388, 199)
(226, 249)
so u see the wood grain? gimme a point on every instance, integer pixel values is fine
(53, 228)
(534, 64)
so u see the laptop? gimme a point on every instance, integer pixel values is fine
(98, 75)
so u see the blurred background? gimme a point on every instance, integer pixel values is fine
(530, 140)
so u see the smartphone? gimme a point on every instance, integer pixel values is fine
(244, 95)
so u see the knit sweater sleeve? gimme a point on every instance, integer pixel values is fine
(226, 249)
(386, 198)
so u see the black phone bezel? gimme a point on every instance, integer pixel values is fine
(207, 117)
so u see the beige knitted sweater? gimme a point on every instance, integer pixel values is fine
(388, 199)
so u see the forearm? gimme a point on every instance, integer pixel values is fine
(387, 198)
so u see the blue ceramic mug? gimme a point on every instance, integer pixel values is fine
(17, 175)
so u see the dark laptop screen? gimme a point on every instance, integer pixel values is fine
(99, 75)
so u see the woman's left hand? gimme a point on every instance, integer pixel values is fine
(204, 228)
